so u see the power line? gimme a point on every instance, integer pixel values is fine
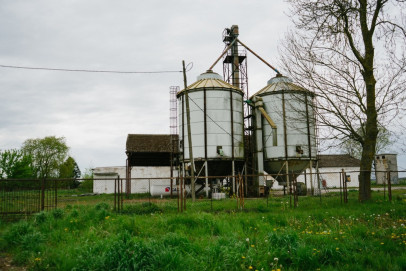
(84, 70)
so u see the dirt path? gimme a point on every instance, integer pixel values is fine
(6, 263)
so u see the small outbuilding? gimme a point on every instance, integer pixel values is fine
(150, 163)
(384, 163)
(330, 167)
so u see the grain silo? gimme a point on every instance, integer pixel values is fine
(384, 163)
(216, 122)
(285, 128)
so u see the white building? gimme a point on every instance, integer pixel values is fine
(383, 163)
(330, 167)
(142, 178)
(149, 160)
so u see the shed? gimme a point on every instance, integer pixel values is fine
(151, 149)
(330, 167)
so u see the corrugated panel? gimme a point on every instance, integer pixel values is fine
(150, 143)
(278, 87)
(338, 160)
(210, 83)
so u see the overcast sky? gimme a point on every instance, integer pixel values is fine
(96, 111)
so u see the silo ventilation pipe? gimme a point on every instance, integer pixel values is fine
(260, 105)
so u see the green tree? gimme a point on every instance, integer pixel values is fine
(70, 170)
(351, 54)
(47, 155)
(15, 165)
(87, 183)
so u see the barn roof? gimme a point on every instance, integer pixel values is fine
(150, 143)
(338, 160)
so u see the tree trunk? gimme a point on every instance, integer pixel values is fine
(371, 132)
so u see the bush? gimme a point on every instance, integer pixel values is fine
(57, 213)
(87, 185)
(144, 208)
(40, 217)
(102, 206)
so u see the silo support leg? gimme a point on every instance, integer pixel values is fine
(233, 173)
(206, 169)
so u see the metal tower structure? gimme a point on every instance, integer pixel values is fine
(235, 73)
(234, 61)
(173, 126)
(173, 115)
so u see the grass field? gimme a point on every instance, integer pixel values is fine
(266, 235)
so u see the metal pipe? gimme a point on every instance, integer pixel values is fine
(222, 54)
(260, 58)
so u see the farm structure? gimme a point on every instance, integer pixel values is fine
(383, 163)
(149, 156)
(330, 167)
(141, 178)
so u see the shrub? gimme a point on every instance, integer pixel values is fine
(140, 209)
(86, 185)
(40, 217)
(102, 206)
(57, 213)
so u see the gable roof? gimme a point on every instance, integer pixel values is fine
(338, 160)
(151, 143)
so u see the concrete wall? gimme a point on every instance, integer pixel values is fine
(104, 178)
(384, 163)
(332, 177)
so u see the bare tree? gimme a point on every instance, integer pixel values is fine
(384, 141)
(351, 53)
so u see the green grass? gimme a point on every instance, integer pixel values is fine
(266, 235)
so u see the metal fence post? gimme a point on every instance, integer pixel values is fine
(185, 195)
(56, 193)
(42, 194)
(211, 194)
(384, 189)
(389, 187)
(122, 196)
(115, 194)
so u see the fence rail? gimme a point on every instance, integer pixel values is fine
(24, 197)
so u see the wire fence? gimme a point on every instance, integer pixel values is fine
(19, 198)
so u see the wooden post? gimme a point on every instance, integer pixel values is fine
(115, 194)
(43, 194)
(56, 193)
(189, 134)
(345, 187)
(389, 186)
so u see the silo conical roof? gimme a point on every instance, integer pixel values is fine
(210, 79)
(279, 83)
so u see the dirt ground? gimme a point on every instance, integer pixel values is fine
(6, 263)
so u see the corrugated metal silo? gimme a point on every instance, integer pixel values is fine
(288, 127)
(216, 119)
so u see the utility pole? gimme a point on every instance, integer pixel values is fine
(189, 135)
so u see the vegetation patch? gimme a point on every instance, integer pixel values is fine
(148, 236)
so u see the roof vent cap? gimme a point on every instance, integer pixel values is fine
(279, 79)
(209, 74)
